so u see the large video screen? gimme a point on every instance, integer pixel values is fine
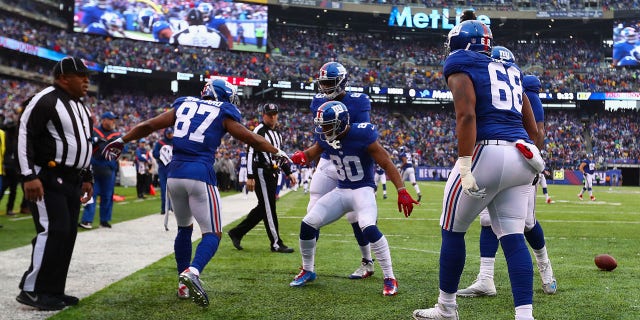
(626, 44)
(213, 24)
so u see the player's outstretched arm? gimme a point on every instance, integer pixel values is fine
(381, 157)
(258, 142)
(113, 150)
(303, 157)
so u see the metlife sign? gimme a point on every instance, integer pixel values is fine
(421, 20)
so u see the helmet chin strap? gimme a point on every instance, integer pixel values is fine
(335, 144)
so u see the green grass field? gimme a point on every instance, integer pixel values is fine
(253, 284)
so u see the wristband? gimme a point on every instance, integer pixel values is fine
(402, 188)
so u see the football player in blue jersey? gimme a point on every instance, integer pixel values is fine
(163, 152)
(588, 169)
(214, 20)
(632, 60)
(161, 31)
(145, 19)
(199, 125)
(242, 174)
(93, 11)
(496, 165)
(110, 24)
(380, 178)
(408, 170)
(484, 285)
(332, 82)
(353, 149)
(623, 48)
(305, 176)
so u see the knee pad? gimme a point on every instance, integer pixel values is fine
(372, 233)
(307, 232)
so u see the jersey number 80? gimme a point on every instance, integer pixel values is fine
(348, 168)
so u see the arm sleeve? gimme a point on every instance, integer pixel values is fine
(156, 151)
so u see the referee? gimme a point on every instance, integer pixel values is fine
(54, 152)
(262, 176)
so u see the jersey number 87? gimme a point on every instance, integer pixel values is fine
(184, 115)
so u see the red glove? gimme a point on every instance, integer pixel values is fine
(299, 158)
(405, 202)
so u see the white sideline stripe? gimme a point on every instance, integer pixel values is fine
(104, 256)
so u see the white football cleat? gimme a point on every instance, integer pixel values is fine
(183, 291)
(479, 288)
(438, 312)
(549, 284)
(365, 270)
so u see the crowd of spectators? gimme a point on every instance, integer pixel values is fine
(427, 131)
(297, 53)
(616, 136)
(514, 5)
(570, 65)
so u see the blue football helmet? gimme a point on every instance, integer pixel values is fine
(470, 35)
(332, 79)
(331, 120)
(112, 22)
(531, 83)
(206, 9)
(146, 19)
(503, 54)
(220, 90)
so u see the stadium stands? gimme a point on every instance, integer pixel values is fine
(297, 53)
(563, 66)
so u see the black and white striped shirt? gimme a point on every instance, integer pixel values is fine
(54, 128)
(265, 159)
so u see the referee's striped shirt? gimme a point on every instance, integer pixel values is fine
(264, 159)
(54, 127)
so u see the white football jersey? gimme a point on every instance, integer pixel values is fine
(199, 36)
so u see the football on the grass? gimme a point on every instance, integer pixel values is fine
(605, 262)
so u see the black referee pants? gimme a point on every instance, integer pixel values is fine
(266, 182)
(56, 222)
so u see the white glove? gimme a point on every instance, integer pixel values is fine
(282, 154)
(469, 186)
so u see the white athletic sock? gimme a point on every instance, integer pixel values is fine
(417, 187)
(381, 249)
(366, 252)
(541, 255)
(447, 298)
(524, 312)
(194, 271)
(308, 252)
(486, 268)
